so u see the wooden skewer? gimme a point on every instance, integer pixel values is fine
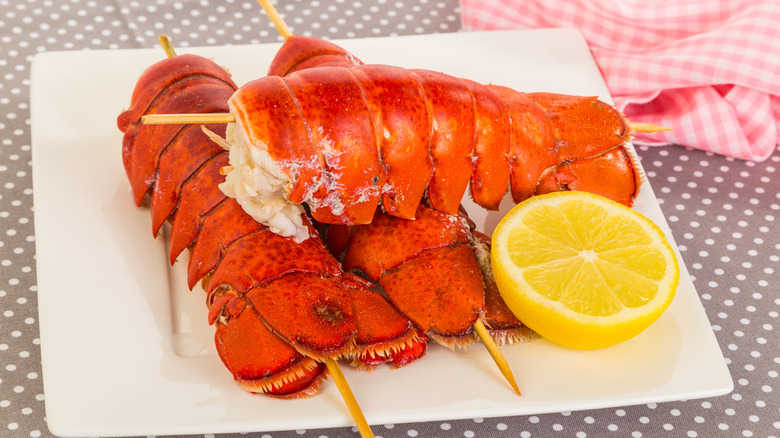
(333, 366)
(495, 353)
(187, 119)
(281, 26)
(349, 399)
(172, 119)
(646, 127)
(167, 46)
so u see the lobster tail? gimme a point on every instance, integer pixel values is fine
(280, 308)
(178, 167)
(448, 134)
(590, 145)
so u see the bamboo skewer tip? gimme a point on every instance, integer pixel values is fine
(349, 398)
(277, 20)
(167, 46)
(495, 353)
(648, 128)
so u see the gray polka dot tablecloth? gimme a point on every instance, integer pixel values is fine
(723, 214)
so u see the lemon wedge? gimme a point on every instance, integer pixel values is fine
(581, 270)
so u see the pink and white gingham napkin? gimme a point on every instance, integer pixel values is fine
(708, 69)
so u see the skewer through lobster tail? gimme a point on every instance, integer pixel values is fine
(283, 310)
(178, 163)
(451, 310)
(430, 268)
(347, 137)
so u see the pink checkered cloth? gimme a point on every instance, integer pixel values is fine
(708, 69)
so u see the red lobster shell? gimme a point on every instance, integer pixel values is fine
(349, 136)
(278, 305)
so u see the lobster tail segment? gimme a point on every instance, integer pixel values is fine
(383, 334)
(532, 143)
(583, 126)
(352, 177)
(427, 270)
(301, 52)
(178, 162)
(612, 174)
(441, 291)
(262, 362)
(295, 288)
(594, 156)
(403, 148)
(199, 86)
(492, 170)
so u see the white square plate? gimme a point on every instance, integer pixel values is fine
(126, 349)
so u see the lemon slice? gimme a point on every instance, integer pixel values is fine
(581, 270)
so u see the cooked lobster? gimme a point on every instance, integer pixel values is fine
(292, 143)
(270, 344)
(278, 118)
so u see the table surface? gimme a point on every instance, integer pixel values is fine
(722, 212)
